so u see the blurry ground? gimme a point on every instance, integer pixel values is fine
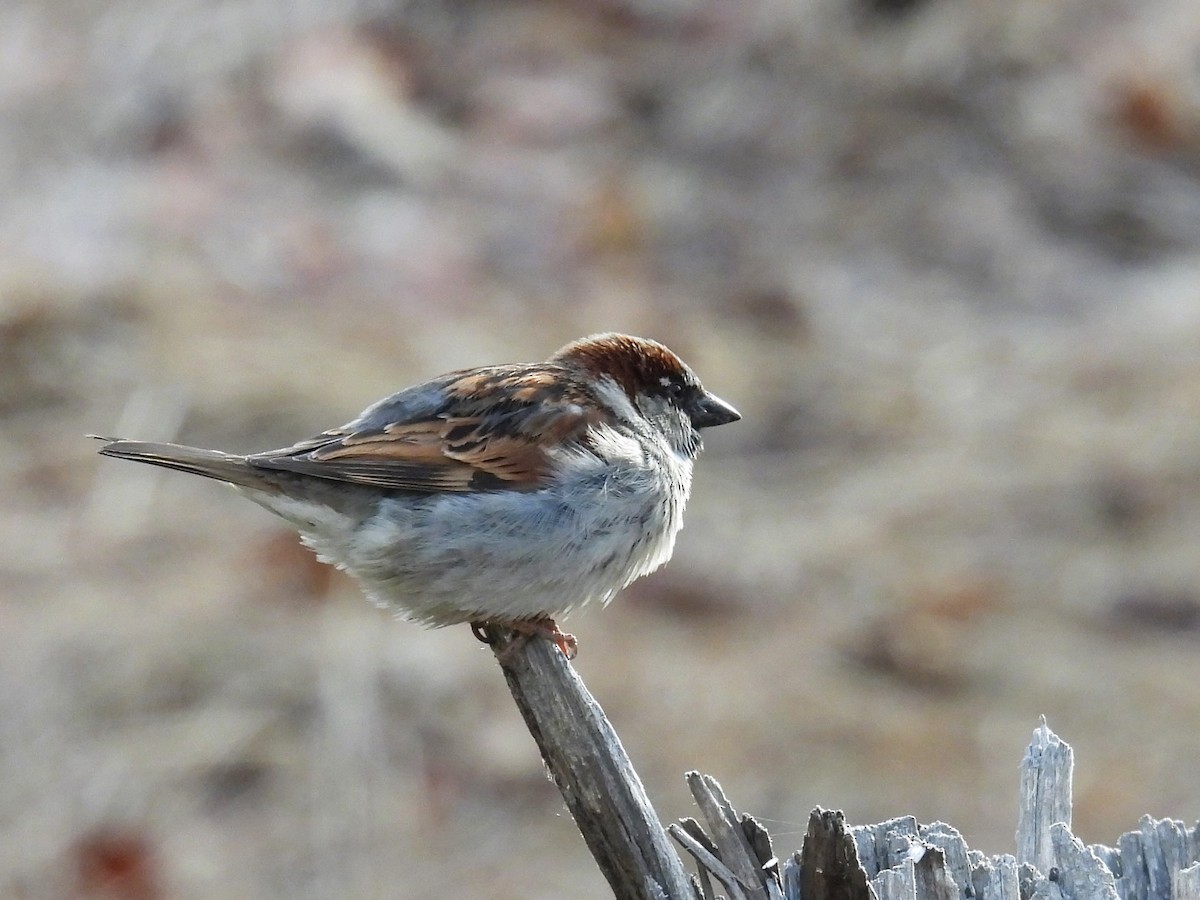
(945, 258)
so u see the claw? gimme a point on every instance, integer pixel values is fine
(543, 626)
(565, 642)
(477, 629)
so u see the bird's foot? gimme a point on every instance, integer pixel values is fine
(542, 626)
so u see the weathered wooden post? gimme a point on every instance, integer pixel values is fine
(591, 769)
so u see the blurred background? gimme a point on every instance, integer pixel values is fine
(943, 256)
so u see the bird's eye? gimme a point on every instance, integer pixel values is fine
(676, 389)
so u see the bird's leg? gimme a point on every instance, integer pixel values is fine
(542, 626)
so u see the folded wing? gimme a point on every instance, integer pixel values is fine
(497, 428)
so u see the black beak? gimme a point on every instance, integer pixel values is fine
(710, 411)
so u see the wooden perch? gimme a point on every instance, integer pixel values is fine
(895, 860)
(590, 767)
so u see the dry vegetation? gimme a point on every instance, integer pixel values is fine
(945, 257)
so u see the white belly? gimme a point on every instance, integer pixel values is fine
(503, 555)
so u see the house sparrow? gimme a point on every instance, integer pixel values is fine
(503, 495)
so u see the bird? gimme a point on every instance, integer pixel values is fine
(503, 495)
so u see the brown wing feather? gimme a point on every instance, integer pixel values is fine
(467, 445)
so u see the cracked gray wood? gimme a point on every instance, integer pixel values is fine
(894, 860)
(1045, 796)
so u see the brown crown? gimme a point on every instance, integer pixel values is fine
(637, 364)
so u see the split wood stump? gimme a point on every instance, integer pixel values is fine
(895, 860)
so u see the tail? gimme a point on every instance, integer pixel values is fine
(209, 463)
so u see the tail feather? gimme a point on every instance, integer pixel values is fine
(209, 463)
